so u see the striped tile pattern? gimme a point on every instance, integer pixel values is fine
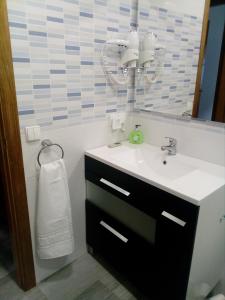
(56, 48)
(180, 34)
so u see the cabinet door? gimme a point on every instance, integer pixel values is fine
(174, 247)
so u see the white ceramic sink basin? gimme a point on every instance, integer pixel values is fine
(184, 176)
(153, 160)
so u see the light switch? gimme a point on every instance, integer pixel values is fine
(33, 133)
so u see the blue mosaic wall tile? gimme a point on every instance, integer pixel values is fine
(180, 34)
(56, 54)
(56, 48)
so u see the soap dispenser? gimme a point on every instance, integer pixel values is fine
(136, 136)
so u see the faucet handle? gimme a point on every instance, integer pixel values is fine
(172, 141)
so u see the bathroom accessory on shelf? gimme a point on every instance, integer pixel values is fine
(118, 121)
(136, 136)
(45, 144)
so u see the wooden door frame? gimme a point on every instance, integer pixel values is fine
(201, 60)
(12, 162)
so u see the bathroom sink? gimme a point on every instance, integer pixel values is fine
(186, 177)
(152, 160)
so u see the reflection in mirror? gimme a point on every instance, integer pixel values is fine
(209, 100)
(167, 83)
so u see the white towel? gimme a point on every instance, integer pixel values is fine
(54, 221)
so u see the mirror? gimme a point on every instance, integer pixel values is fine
(186, 75)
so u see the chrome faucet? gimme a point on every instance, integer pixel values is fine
(172, 147)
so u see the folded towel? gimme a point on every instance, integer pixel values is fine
(54, 221)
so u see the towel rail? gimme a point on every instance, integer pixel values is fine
(45, 144)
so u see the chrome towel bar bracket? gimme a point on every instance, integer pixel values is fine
(45, 144)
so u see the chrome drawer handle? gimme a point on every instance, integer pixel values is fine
(113, 231)
(173, 218)
(115, 187)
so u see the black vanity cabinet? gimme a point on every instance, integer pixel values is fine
(146, 234)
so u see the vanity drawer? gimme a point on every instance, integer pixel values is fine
(120, 184)
(126, 251)
(147, 198)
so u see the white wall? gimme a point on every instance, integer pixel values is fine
(74, 140)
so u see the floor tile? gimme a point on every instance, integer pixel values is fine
(6, 267)
(123, 294)
(95, 292)
(109, 281)
(70, 282)
(84, 279)
(6, 260)
(113, 297)
(3, 272)
(9, 290)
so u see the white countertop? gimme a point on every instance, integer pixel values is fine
(188, 178)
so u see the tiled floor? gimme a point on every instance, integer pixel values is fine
(85, 279)
(6, 260)
(3, 271)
